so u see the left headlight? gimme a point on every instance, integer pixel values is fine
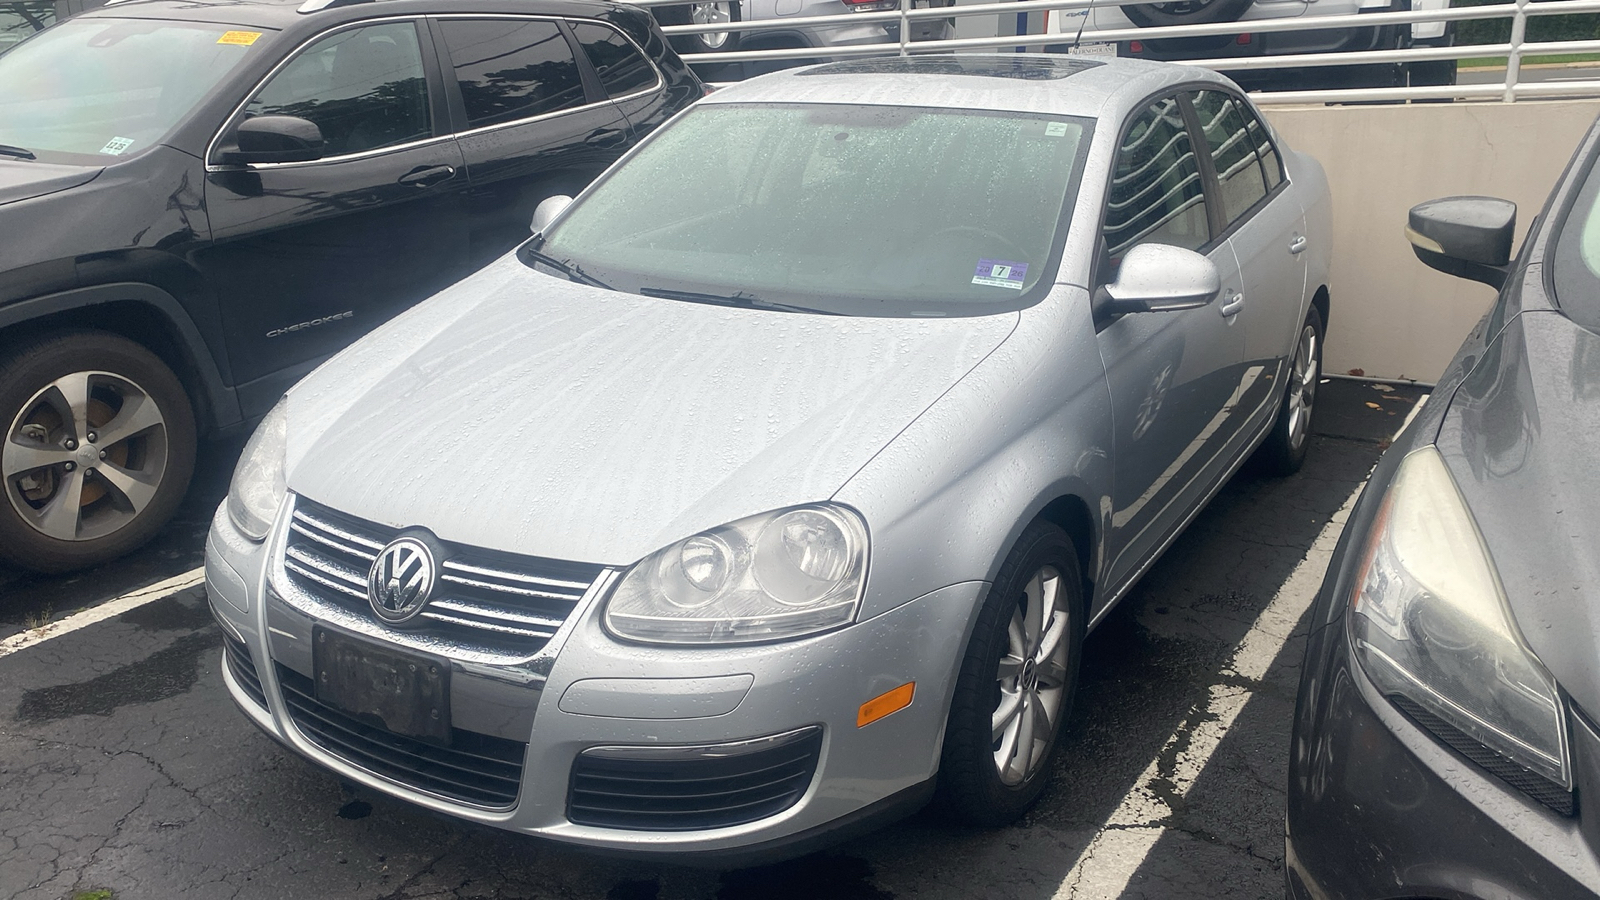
(258, 486)
(770, 577)
(1431, 626)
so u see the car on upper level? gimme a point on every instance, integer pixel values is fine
(203, 199)
(1082, 26)
(773, 485)
(1447, 733)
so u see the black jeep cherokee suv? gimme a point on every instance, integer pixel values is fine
(200, 200)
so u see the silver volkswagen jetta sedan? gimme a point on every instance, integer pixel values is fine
(771, 489)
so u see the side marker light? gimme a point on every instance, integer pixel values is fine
(886, 703)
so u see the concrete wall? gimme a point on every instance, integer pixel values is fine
(1393, 317)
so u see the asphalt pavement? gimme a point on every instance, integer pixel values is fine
(125, 768)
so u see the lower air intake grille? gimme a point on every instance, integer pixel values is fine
(692, 788)
(242, 668)
(476, 768)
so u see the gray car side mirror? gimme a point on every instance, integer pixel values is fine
(1158, 278)
(547, 210)
(1468, 237)
(275, 139)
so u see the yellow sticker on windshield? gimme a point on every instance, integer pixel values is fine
(239, 38)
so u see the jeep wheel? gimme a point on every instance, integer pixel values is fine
(98, 447)
(1185, 12)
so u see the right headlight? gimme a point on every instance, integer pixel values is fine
(1430, 625)
(258, 484)
(775, 576)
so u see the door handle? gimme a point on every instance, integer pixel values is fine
(1298, 244)
(605, 137)
(428, 176)
(1232, 302)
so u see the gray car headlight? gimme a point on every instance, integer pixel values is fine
(258, 487)
(1430, 624)
(770, 577)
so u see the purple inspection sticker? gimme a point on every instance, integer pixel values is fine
(1000, 273)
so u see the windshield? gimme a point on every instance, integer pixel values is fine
(105, 88)
(19, 19)
(1577, 254)
(860, 210)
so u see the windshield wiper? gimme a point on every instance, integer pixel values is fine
(567, 268)
(740, 299)
(18, 152)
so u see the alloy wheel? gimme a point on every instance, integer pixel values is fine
(1303, 385)
(1031, 679)
(84, 456)
(711, 14)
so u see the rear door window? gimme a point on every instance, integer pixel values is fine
(622, 69)
(1233, 152)
(1157, 194)
(512, 69)
(365, 88)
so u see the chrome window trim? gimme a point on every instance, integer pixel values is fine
(233, 117)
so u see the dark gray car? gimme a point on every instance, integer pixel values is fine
(1446, 739)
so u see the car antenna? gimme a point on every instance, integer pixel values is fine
(1078, 38)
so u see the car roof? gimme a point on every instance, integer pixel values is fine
(1016, 82)
(286, 15)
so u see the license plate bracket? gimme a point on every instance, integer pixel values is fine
(403, 692)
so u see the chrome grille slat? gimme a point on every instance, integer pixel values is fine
(450, 565)
(452, 604)
(485, 600)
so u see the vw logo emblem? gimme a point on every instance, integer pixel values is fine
(402, 579)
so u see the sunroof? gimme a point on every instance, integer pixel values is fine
(1027, 68)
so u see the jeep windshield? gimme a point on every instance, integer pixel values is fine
(99, 88)
(855, 210)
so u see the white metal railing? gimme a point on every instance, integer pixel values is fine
(1511, 88)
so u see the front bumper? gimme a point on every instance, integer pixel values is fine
(1379, 808)
(587, 690)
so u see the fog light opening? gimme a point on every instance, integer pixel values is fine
(885, 703)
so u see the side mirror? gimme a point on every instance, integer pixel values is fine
(1158, 278)
(274, 139)
(1469, 237)
(547, 210)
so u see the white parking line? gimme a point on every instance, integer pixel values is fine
(104, 611)
(1108, 864)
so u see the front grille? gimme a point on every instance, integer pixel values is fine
(475, 768)
(243, 668)
(691, 788)
(499, 601)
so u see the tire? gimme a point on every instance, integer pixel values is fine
(698, 14)
(128, 478)
(1185, 12)
(1284, 450)
(973, 787)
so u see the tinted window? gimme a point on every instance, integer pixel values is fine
(1156, 194)
(365, 88)
(1232, 150)
(512, 69)
(622, 70)
(1261, 139)
(860, 210)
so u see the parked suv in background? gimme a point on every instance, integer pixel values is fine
(1246, 44)
(201, 201)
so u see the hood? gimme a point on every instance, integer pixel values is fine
(521, 412)
(1519, 437)
(22, 179)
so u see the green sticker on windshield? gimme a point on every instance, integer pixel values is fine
(117, 146)
(1055, 129)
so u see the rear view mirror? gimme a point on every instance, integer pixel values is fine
(1158, 278)
(547, 210)
(1469, 237)
(275, 139)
